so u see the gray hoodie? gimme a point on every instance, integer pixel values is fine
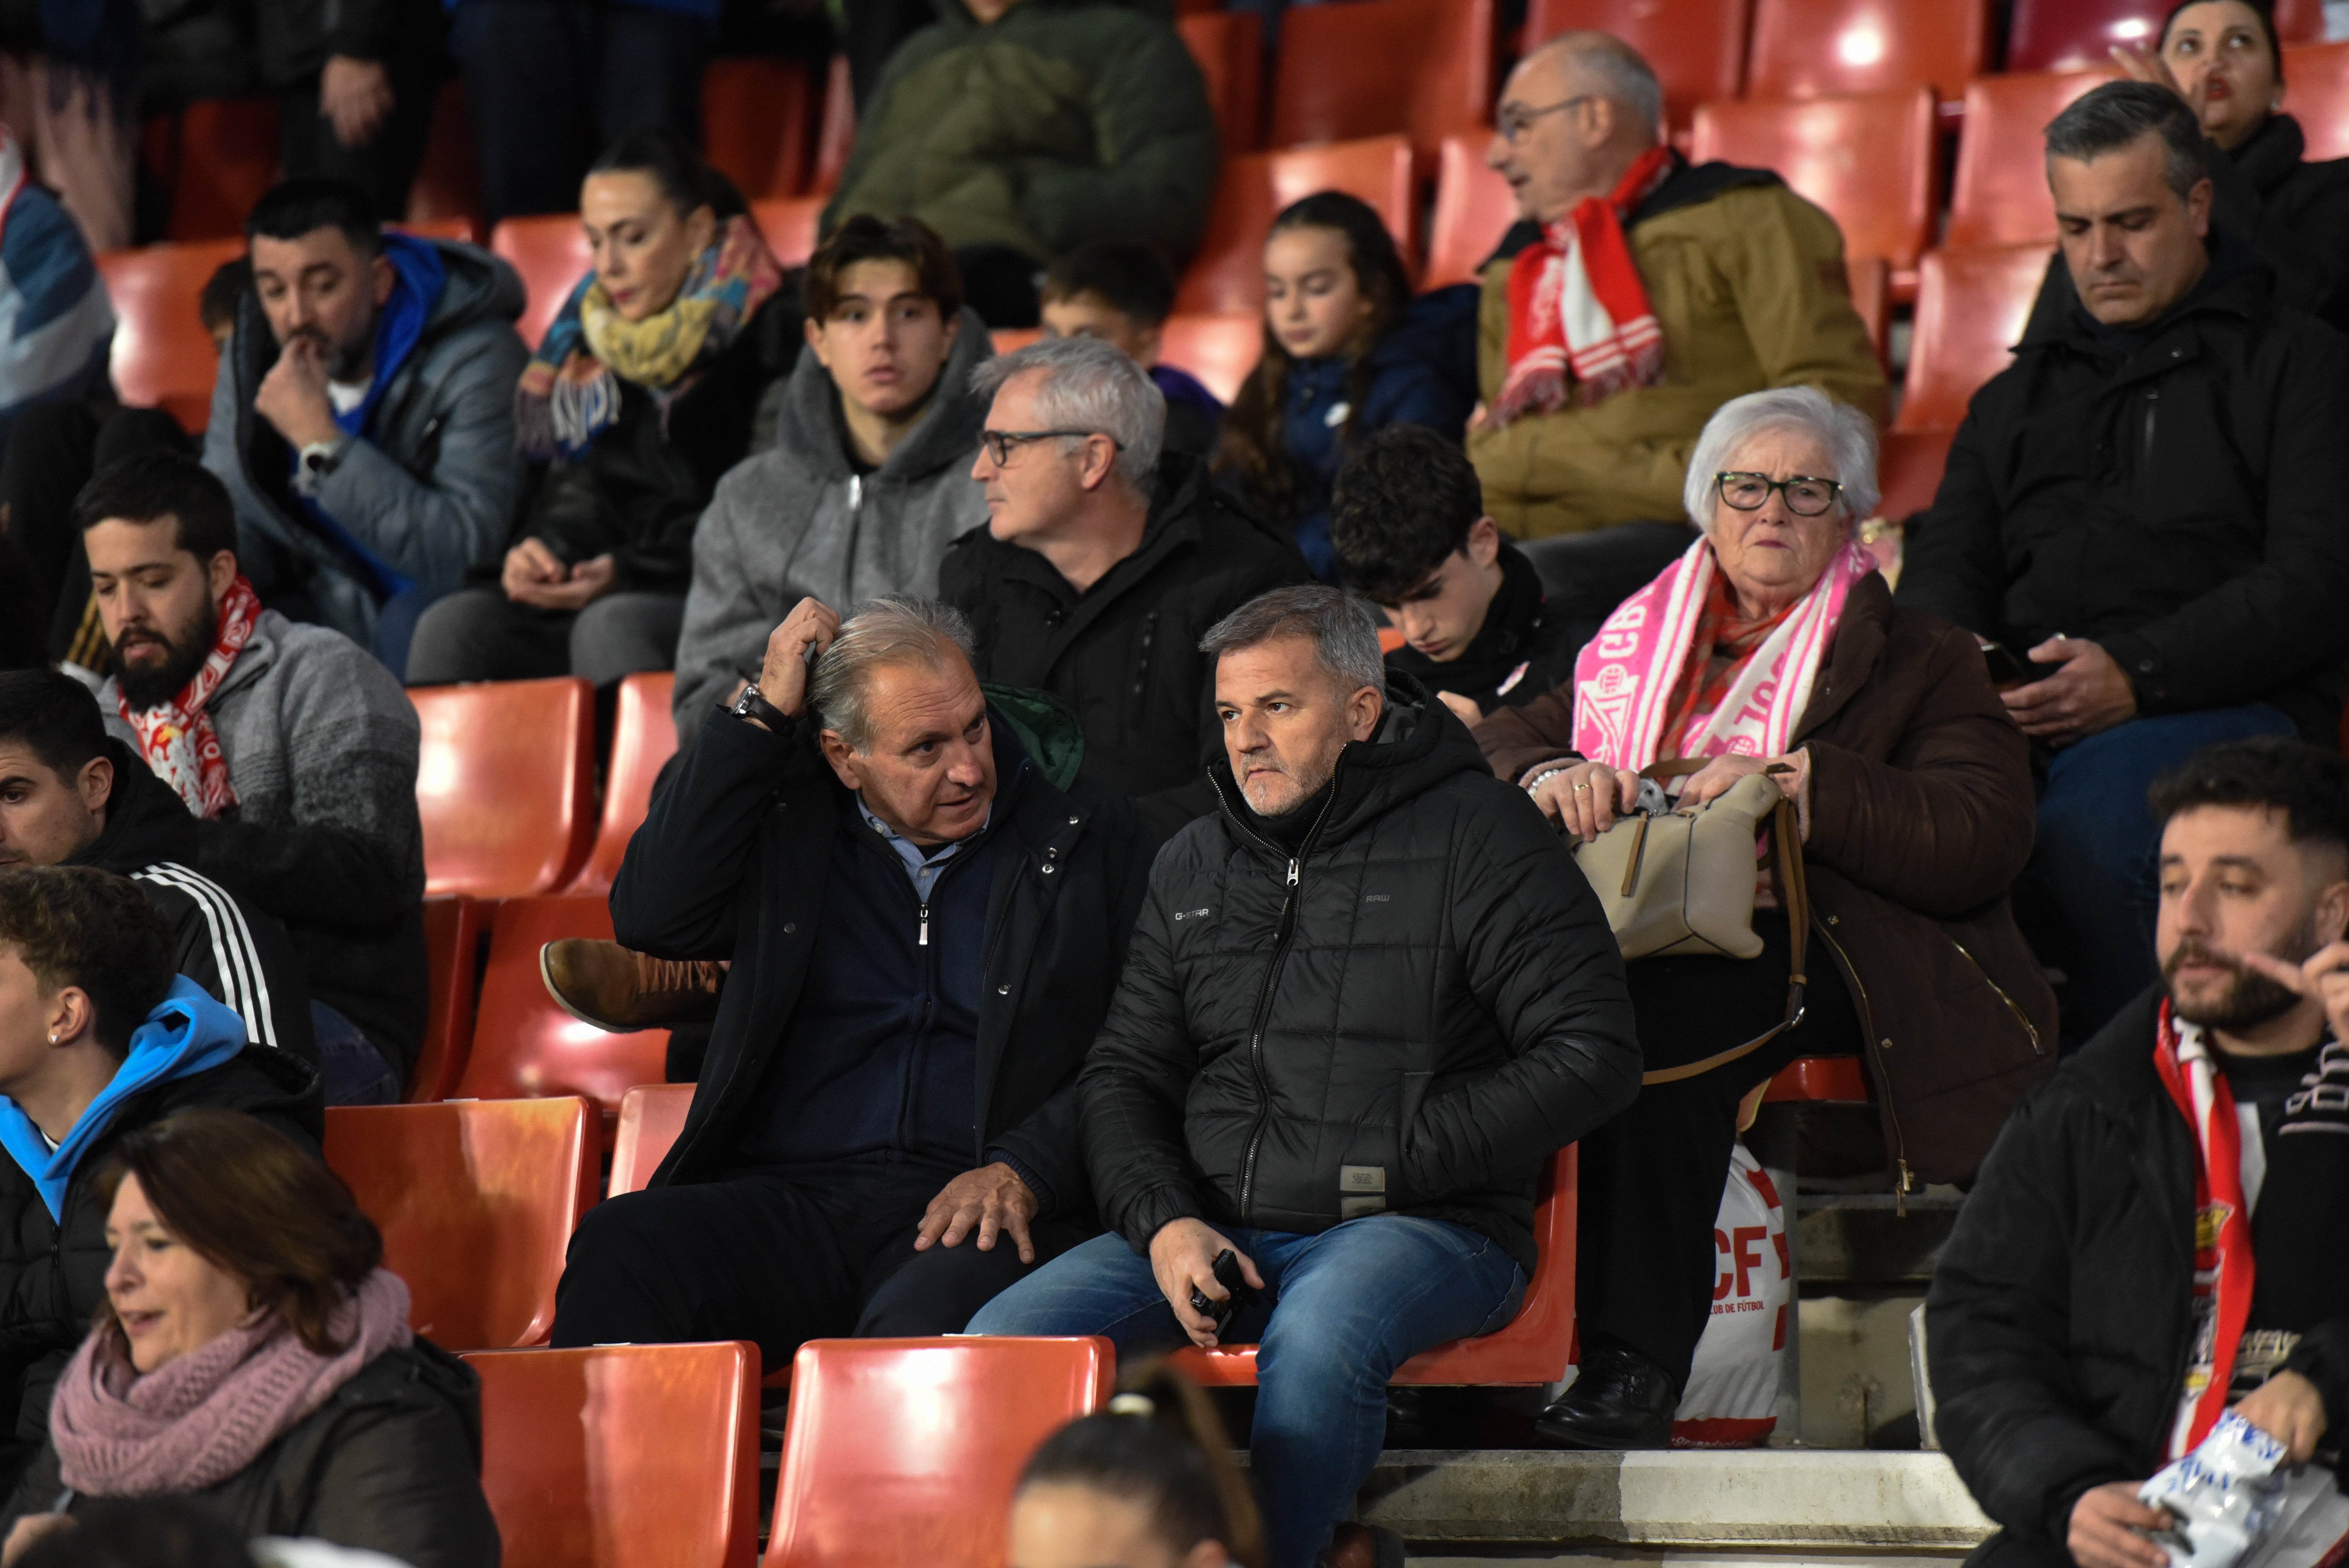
(796, 521)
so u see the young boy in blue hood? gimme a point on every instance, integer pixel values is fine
(98, 1036)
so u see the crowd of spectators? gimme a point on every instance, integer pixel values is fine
(1081, 924)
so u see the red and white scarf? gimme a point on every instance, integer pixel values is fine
(1626, 676)
(2223, 1226)
(1576, 304)
(176, 737)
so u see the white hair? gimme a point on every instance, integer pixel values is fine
(894, 629)
(1619, 73)
(1088, 385)
(1344, 632)
(1848, 434)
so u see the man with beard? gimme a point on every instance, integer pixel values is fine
(296, 751)
(2156, 1234)
(363, 417)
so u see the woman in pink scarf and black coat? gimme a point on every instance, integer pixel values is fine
(1772, 646)
(254, 1355)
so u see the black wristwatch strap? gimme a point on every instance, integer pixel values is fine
(751, 705)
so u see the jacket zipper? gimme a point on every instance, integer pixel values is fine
(2036, 1049)
(1905, 1181)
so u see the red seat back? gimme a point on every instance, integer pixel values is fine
(1971, 306)
(1421, 69)
(505, 785)
(756, 111)
(2316, 93)
(643, 738)
(902, 1452)
(1867, 159)
(477, 1201)
(1908, 469)
(1220, 350)
(525, 1046)
(651, 1115)
(447, 182)
(453, 928)
(2080, 35)
(1473, 208)
(835, 136)
(1819, 1081)
(1696, 48)
(552, 255)
(1806, 47)
(789, 227)
(623, 1456)
(162, 357)
(1999, 196)
(217, 157)
(1229, 47)
(1228, 273)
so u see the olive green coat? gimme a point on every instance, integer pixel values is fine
(1750, 288)
(1060, 123)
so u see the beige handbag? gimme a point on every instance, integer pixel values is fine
(1681, 881)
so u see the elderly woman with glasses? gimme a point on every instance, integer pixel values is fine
(1772, 646)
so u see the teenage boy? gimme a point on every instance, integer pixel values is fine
(1123, 294)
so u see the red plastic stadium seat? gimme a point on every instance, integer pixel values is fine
(162, 357)
(1867, 159)
(1228, 273)
(1220, 350)
(1871, 297)
(644, 736)
(505, 785)
(477, 1201)
(754, 123)
(1369, 68)
(623, 1456)
(1533, 1349)
(551, 253)
(1971, 308)
(1819, 1078)
(216, 157)
(1473, 208)
(1229, 47)
(453, 928)
(835, 136)
(1012, 339)
(1806, 47)
(448, 183)
(2079, 34)
(789, 227)
(1999, 196)
(901, 1452)
(2316, 93)
(525, 1046)
(1696, 48)
(1908, 469)
(651, 1115)
(459, 229)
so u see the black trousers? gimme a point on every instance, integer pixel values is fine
(1651, 1177)
(384, 165)
(780, 1256)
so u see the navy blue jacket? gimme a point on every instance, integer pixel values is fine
(1405, 388)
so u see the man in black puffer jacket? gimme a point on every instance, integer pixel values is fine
(2073, 1323)
(1365, 1003)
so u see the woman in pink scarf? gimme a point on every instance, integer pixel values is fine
(254, 1355)
(1774, 646)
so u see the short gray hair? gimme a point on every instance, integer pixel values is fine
(2115, 115)
(1623, 73)
(1089, 385)
(894, 629)
(1848, 434)
(1344, 632)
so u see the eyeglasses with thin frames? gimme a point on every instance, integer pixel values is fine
(1805, 495)
(998, 444)
(1514, 118)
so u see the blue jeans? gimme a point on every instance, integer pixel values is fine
(1348, 1306)
(2093, 874)
(356, 1073)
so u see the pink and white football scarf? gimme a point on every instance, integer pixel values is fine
(1576, 304)
(177, 738)
(2223, 1275)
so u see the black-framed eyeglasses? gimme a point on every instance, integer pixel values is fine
(998, 444)
(1805, 495)
(1514, 118)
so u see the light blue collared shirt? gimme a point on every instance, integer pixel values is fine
(921, 865)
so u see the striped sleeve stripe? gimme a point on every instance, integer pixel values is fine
(232, 947)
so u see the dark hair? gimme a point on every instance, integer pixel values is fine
(216, 306)
(293, 208)
(2309, 784)
(1404, 500)
(148, 486)
(2262, 11)
(141, 1532)
(865, 238)
(96, 931)
(1251, 449)
(1133, 279)
(676, 166)
(55, 716)
(1159, 1445)
(2114, 115)
(250, 1200)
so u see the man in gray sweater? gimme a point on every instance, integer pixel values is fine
(296, 751)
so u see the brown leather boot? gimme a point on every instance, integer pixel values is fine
(619, 989)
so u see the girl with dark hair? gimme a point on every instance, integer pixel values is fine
(1342, 358)
(1147, 1483)
(643, 392)
(255, 1354)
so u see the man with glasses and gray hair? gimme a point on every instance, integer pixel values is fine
(2144, 514)
(1102, 562)
(1366, 1001)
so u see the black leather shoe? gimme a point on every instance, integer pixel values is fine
(1620, 1401)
